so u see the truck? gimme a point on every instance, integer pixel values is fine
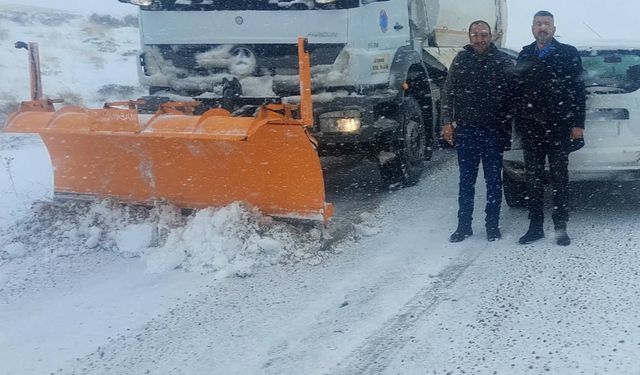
(377, 66)
(245, 96)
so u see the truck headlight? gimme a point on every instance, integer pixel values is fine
(348, 121)
(141, 3)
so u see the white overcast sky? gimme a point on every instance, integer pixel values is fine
(613, 20)
(616, 20)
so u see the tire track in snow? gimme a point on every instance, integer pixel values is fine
(377, 352)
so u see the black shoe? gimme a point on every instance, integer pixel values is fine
(460, 234)
(534, 233)
(562, 239)
(493, 234)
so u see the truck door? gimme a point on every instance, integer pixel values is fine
(380, 24)
(377, 29)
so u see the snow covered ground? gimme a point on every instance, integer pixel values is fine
(105, 289)
(399, 299)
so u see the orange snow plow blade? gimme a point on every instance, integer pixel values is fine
(268, 161)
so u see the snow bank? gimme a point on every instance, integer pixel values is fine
(234, 240)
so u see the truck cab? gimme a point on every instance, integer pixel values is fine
(189, 47)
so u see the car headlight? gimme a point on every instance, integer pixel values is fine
(348, 121)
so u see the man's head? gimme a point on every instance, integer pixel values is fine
(480, 36)
(543, 27)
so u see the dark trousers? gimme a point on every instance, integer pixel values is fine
(539, 145)
(475, 145)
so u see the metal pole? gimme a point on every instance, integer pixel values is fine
(34, 71)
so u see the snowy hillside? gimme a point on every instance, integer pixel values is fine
(86, 58)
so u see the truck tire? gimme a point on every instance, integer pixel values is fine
(428, 92)
(515, 192)
(406, 167)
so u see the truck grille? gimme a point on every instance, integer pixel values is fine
(268, 56)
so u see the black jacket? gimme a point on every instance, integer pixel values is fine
(550, 88)
(477, 91)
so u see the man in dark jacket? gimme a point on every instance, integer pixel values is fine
(476, 96)
(550, 117)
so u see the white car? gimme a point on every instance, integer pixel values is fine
(612, 128)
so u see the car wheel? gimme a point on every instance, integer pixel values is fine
(515, 192)
(406, 166)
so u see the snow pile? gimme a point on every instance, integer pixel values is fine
(76, 228)
(234, 240)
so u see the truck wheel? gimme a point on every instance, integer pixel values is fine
(515, 192)
(406, 166)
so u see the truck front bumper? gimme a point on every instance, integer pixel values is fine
(374, 129)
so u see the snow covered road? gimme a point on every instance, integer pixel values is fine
(395, 299)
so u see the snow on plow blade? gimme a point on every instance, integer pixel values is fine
(268, 161)
(193, 161)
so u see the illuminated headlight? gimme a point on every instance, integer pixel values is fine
(325, 2)
(348, 125)
(142, 3)
(340, 122)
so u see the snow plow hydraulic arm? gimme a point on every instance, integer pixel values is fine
(268, 161)
(37, 103)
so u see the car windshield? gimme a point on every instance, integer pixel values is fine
(248, 5)
(618, 68)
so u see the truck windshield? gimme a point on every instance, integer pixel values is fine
(612, 68)
(205, 5)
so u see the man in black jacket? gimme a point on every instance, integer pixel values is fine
(476, 96)
(550, 109)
